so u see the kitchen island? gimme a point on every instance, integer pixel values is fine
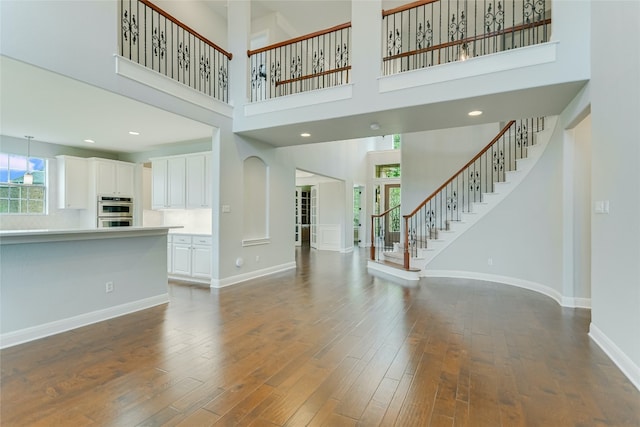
(56, 280)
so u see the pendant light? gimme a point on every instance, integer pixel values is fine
(27, 179)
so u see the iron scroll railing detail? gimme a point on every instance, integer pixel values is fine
(385, 232)
(432, 32)
(313, 61)
(468, 186)
(156, 40)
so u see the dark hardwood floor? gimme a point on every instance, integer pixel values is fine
(327, 344)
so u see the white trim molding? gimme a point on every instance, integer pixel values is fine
(298, 100)
(21, 336)
(569, 302)
(621, 360)
(153, 79)
(487, 64)
(505, 280)
(227, 281)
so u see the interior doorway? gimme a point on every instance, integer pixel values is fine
(303, 215)
(321, 218)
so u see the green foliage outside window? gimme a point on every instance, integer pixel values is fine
(388, 171)
(15, 196)
(396, 141)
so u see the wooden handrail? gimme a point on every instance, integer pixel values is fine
(406, 7)
(299, 39)
(310, 76)
(385, 212)
(468, 39)
(469, 163)
(186, 27)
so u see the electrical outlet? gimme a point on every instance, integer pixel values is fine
(490, 261)
(257, 258)
(108, 287)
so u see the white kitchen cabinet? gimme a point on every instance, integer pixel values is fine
(73, 189)
(201, 257)
(114, 178)
(198, 181)
(191, 257)
(181, 255)
(168, 183)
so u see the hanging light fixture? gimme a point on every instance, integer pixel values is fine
(464, 52)
(27, 179)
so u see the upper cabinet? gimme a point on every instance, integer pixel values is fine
(114, 178)
(73, 174)
(168, 183)
(181, 182)
(198, 181)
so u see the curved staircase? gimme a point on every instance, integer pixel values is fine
(461, 201)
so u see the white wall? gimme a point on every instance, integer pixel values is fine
(615, 237)
(582, 209)
(430, 158)
(523, 234)
(200, 17)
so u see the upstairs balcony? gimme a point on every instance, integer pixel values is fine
(417, 35)
(415, 67)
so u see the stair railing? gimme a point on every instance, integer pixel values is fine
(385, 231)
(468, 186)
(313, 61)
(156, 40)
(431, 32)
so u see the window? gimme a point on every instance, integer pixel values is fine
(15, 197)
(396, 141)
(388, 171)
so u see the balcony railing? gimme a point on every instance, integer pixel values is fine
(313, 61)
(156, 40)
(432, 32)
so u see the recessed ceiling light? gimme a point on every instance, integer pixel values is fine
(305, 135)
(374, 126)
(475, 113)
(90, 141)
(131, 132)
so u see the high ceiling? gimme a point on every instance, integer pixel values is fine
(60, 110)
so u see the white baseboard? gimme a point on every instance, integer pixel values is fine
(576, 302)
(622, 361)
(21, 336)
(221, 283)
(512, 281)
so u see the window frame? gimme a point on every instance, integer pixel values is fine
(9, 186)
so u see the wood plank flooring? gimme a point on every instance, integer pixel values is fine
(324, 345)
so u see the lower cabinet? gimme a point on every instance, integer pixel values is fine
(190, 257)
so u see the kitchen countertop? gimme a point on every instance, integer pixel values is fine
(8, 237)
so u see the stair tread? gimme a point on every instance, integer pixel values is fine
(396, 265)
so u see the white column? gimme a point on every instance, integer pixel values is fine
(239, 30)
(366, 47)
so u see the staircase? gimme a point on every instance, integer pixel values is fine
(466, 197)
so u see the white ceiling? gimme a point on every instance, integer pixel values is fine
(57, 109)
